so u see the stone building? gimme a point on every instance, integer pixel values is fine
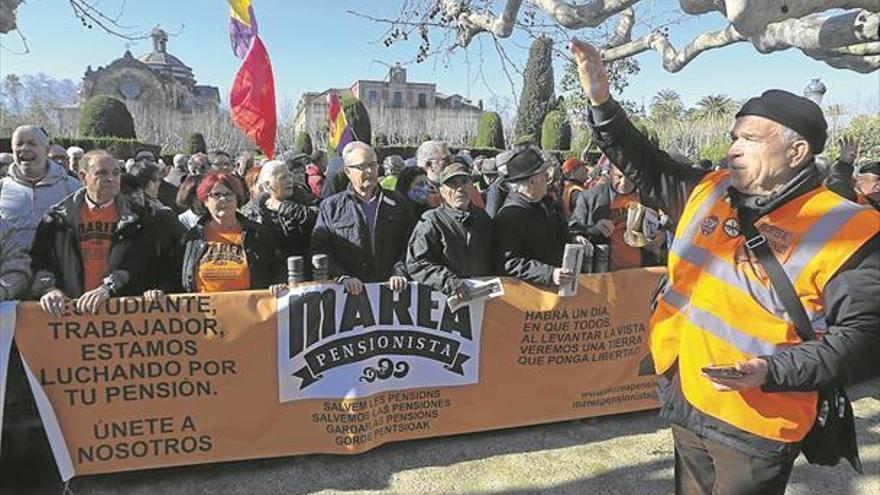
(155, 79)
(402, 111)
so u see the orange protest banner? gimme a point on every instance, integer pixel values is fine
(206, 378)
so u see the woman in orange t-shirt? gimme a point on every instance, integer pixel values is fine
(225, 251)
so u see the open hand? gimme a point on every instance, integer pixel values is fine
(54, 301)
(849, 149)
(591, 71)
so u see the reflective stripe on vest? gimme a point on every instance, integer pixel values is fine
(719, 307)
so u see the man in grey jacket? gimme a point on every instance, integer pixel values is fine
(34, 184)
(15, 265)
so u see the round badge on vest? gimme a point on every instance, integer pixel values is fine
(709, 225)
(731, 227)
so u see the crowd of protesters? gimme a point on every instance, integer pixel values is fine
(82, 227)
(77, 228)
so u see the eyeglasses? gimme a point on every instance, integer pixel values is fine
(446, 160)
(364, 166)
(221, 196)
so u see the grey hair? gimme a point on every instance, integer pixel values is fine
(75, 152)
(198, 163)
(789, 135)
(42, 138)
(519, 186)
(180, 161)
(57, 148)
(428, 151)
(353, 146)
(92, 157)
(266, 173)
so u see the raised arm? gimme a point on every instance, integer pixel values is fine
(663, 182)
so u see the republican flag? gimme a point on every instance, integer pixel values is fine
(252, 98)
(242, 26)
(340, 132)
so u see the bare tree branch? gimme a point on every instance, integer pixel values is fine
(768, 25)
(674, 60)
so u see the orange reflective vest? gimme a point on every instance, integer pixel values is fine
(719, 306)
(864, 200)
(567, 192)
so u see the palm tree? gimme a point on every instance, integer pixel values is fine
(715, 107)
(666, 106)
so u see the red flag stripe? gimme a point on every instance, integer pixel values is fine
(252, 98)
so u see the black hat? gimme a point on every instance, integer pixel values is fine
(795, 112)
(456, 169)
(489, 167)
(524, 163)
(870, 168)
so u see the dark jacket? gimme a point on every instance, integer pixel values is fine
(496, 194)
(840, 180)
(56, 259)
(448, 245)
(342, 234)
(663, 183)
(593, 205)
(164, 233)
(846, 355)
(168, 196)
(291, 225)
(264, 262)
(529, 239)
(335, 180)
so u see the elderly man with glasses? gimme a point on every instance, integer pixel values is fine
(363, 230)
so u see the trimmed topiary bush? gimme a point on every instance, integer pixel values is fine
(380, 140)
(195, 143)
(582, 141)
(556, 131)
(490, 131)
(103, 116)
(358, 118)
(537, 96)
(303, 143)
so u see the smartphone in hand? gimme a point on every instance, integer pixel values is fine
(719, 371)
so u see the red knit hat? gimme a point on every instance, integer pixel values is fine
(569, 165)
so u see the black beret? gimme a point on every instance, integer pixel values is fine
(795, 112)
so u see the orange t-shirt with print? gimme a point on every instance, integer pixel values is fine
(96, 228)
(623, 255)
(224, 265)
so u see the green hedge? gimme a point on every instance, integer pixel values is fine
(490, 131)
(556, 131)
(195, 143)
(120, 148)
(410, 151)
(106, 117)
(303, 143)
